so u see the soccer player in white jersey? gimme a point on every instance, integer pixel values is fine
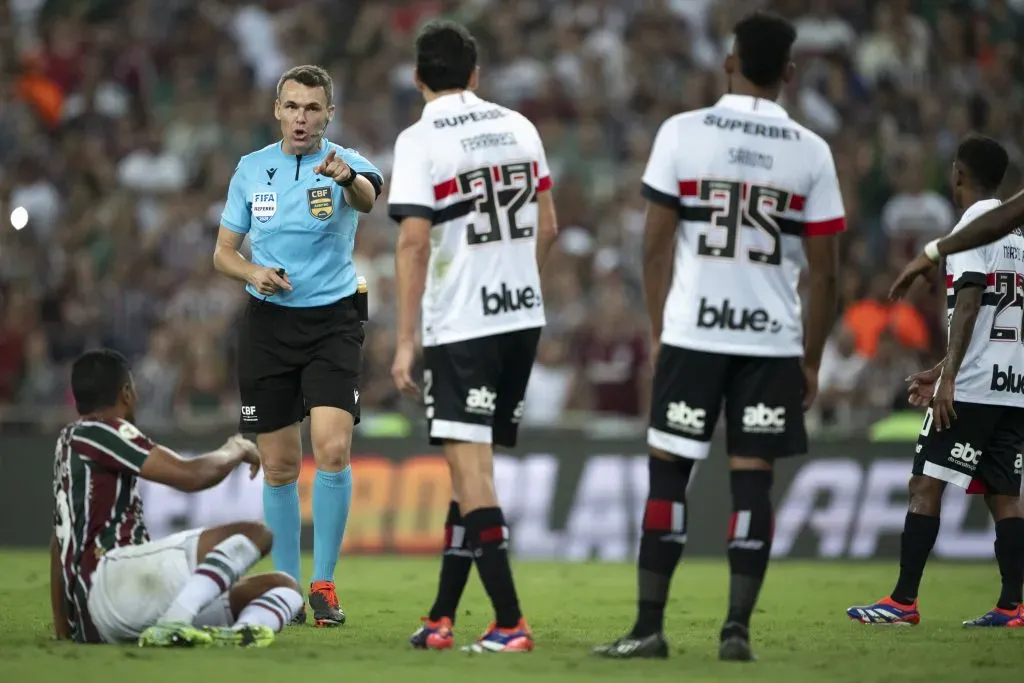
(471, 190)
(738, 196)
(974, 427)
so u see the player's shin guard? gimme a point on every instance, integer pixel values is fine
(217, 572)
(489, 539)
(332, 498)
(274, 609)
(919, 534)
(456, 563)
(662, 541)
(1010, 556)
(750, 542)
(281, 511)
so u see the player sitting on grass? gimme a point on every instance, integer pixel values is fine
(975, 424)
(108, 582)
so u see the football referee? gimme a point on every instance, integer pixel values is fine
(300, 342)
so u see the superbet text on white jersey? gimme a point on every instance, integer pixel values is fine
(473, 168)
(749, 184)
(992, 371)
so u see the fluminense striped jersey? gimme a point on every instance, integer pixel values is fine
(749, 184)
(473, 168)
(96, 504)
(992, 371)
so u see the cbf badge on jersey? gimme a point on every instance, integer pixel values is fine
(321, 202)
(264, 206)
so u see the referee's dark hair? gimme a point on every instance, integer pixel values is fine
(763, 44)
(97, 378)
(984, 161)
(445, 56)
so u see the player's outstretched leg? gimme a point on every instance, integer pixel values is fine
(224, 554)
(661, 546)
(261, 606)
(920, 529)
(472, 466)
(750, 546)
(435, 633)
(1009, 550)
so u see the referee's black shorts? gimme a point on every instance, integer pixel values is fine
(293, 359)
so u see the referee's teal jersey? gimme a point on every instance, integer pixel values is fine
(298, 220)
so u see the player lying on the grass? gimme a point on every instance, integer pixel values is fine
(108, 582)
(975, 424)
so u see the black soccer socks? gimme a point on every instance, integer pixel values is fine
(750, 541)
(489, 538)
(456, 562)
(919, 534)
(662, 541)
(1010, 556)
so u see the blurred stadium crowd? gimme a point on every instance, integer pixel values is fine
(121, 123)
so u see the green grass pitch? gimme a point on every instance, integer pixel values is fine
(800, 631)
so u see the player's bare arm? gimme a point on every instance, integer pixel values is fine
(411, 258)
(961, 329)
(359, 192)
(659, 250)
(547, 226)
(61, 629)
(823, 267)
(228, 260)
(164, 466)
(983, 230)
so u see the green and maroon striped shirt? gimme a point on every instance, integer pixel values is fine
(96, 505)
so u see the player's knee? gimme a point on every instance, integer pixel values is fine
(332, 452)
(751, 487)
(925, 495)
(282, 580)
(668, 477)
(1003, 507)
(258, 533)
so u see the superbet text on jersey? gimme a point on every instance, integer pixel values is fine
(992, 371)
(749, 184)
(474, 169)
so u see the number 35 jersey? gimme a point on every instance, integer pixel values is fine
(473, 169)
(992, 371)
(749, 184)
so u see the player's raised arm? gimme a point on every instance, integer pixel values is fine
(824, 220)
(164, 466)
(661, 189)
(983, 230)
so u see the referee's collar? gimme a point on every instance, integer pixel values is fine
(325, 145)
(753, 105)
(451, 101)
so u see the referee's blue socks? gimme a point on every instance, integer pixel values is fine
(281, 510)
(332, 497)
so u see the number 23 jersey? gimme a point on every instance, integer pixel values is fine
(749, 184)
(992, 371)
(473, 169)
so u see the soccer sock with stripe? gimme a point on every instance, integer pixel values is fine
(750, 541)
(227, 562)
(919, 534)
(456, 563)
(489, 539)
(662, 540)
(281, 511)
(1010, 556)
(332, 498)
(275, 608)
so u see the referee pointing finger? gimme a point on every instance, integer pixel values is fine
(300, 343)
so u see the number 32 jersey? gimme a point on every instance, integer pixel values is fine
(749, 184)
(473, 169)
(992, 371)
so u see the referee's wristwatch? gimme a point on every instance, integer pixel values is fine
(351, 178)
